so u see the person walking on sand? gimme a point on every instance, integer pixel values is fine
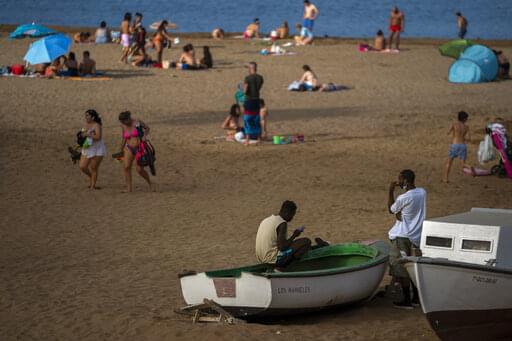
(458, 149)
(133, 133)
(310, 14)
(396, 26)
(462, 25)
(125, 36)
(273, 244)
(252, 86)
(93, 148)
(405, 235)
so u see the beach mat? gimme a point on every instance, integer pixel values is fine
(102, 78)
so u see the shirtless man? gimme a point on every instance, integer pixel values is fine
(87, 66)
(396, 26)
(462, 25)
(253, 30)
(188, 58)
(458, 149)
(125, 36)
(310, 14)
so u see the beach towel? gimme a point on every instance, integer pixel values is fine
(486, 151)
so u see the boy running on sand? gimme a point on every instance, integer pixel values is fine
(458, 148)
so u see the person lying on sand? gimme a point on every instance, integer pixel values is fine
(309, 82)
(458, 149)
(232, 122)
(218, 33)
(87, 66)
(82, 37)
(273, 244)
(253, 30)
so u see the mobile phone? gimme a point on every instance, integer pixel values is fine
(300, 229)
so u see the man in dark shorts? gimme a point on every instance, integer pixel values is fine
(252, 86)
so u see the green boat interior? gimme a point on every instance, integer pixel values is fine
(329, 257)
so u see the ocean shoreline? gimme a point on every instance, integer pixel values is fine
(7, 28)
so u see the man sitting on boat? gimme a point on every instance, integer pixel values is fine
(273, 244)
(410, 210)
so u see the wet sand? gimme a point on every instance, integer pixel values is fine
(81, 264)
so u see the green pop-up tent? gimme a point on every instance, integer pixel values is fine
(454, 48)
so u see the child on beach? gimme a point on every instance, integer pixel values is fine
(458, 149)
(232, 123)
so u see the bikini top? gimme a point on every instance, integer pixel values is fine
(133, 133)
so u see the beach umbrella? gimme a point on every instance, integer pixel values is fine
(454, 48)
(48, 49)
(31, 30)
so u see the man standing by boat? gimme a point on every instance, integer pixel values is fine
(272, 242)
(410, 211)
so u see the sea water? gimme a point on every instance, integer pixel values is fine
(488, 19)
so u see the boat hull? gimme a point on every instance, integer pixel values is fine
(257, 295)
(464, 301)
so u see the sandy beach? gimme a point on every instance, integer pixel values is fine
(79, 264)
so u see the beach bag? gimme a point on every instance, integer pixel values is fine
(145, 156)
(80, 138)
(18, 69)
(486, 150)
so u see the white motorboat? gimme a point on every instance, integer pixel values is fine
(464, 277)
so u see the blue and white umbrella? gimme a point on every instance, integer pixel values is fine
(48, 49)
(31, 30)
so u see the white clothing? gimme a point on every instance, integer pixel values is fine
(97, 148)
(266, 239)
(412, 206)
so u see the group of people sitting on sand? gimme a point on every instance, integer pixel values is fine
(68, 66)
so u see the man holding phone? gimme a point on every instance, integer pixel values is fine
(272, 242)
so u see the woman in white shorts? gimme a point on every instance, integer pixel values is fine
(93, 148)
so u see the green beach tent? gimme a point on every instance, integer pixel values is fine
(454, 48)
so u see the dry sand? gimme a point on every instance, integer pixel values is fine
(80, 264)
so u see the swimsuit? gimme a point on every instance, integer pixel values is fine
(129, 135)
(125, 39)
(459, 150)
(395, 28)
(308, 23)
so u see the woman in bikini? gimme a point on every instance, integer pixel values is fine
(160, 40)
(93, 149)
(133, 133)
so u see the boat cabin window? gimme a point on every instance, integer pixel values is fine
(476, 245)
(445, 242)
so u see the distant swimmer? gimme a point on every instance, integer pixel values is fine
(462, 25)
(253, 30)
(310, 14)
(396, 26)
